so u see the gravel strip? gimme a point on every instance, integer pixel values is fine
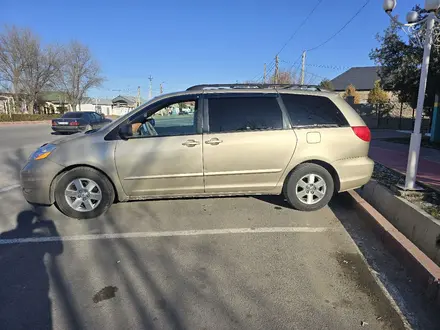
(429, 200)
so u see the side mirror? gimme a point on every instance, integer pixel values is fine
(125, 131)
(152, 121)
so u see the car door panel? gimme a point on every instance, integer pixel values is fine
(254, 154)
(160, 165)
(246, 162)
(166, 161)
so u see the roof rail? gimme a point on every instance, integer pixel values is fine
(255, 86)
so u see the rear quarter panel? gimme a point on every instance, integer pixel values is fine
(336, 146)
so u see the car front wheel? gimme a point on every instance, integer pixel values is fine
(83, 193)
(309, 187)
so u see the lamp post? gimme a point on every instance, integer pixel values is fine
(412, 18)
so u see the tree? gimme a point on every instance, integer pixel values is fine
(15, 47)
(284, 77)
(79, 73)
(400, 62)
(326, 84)
(379, 98)
(40, 72)
(351, 91)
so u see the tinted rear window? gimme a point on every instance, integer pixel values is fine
(238, 114)
(72, 115)
(310, 110)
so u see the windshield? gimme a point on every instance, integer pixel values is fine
(72, 115)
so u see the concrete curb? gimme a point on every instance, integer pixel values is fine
(418, 226)
(8, 123)
(422, 268)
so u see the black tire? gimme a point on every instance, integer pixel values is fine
(301, 171)
(107, 192)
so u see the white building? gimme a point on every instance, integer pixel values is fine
(103, 106)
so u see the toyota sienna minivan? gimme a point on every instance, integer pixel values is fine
(210, 140)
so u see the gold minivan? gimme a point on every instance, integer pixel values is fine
(210, 140)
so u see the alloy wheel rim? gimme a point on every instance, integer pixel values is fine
(310, 189)
(83, 195)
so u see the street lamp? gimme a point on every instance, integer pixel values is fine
(414, 147)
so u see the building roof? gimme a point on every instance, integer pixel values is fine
(93, 100)
(363, 78)
(125, 98)
(53, 96)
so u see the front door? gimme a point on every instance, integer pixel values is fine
(247, 142)
(164, 157)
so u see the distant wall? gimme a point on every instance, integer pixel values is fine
(406, 124)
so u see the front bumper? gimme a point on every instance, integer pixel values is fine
(36, 178)
(68, 129)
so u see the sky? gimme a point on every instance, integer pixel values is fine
(183, 43)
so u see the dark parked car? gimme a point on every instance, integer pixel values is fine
(72, 122)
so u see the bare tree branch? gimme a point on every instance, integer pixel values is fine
(79, 73)
(14, 44)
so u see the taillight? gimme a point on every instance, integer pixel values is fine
(54, 123)
(362, 132)
(73, 123)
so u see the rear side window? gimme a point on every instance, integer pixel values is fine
(241, 114)
(72, 115)
(310, 110)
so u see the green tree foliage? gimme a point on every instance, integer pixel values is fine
(400, 64)
(379, 98)
(326, 84)
(351, 91)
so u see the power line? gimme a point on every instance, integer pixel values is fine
(325, 66)
(342, 28)
(295, 32)
(300, 26)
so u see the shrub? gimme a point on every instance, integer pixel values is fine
(27, 117)
(351, 91)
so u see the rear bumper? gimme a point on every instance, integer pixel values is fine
(68, 129)
(36, 178)
(354, 172)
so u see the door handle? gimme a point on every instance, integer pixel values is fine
(214, 141)
(190, 143)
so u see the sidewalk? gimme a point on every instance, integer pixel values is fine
(395, 156)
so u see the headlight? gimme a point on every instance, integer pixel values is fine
(43, 152)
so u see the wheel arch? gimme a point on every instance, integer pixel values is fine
(69, 168)
(326, 165)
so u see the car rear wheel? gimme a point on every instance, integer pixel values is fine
(83, 193)
(309, 187)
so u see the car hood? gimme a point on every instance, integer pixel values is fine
(68, 138)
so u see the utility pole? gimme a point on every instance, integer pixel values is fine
(161, 87)
(303, 67)
(264, 74)
(150, 94)
(276, 69)
(139, 96)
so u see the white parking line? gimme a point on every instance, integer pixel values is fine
(150, 234)
(7, 188)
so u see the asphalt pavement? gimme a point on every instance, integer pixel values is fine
(211, 263)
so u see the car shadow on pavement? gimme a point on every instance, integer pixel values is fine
(277, 200)
(419, 312)
(24, 293)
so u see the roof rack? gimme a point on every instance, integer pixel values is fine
(255, 86)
